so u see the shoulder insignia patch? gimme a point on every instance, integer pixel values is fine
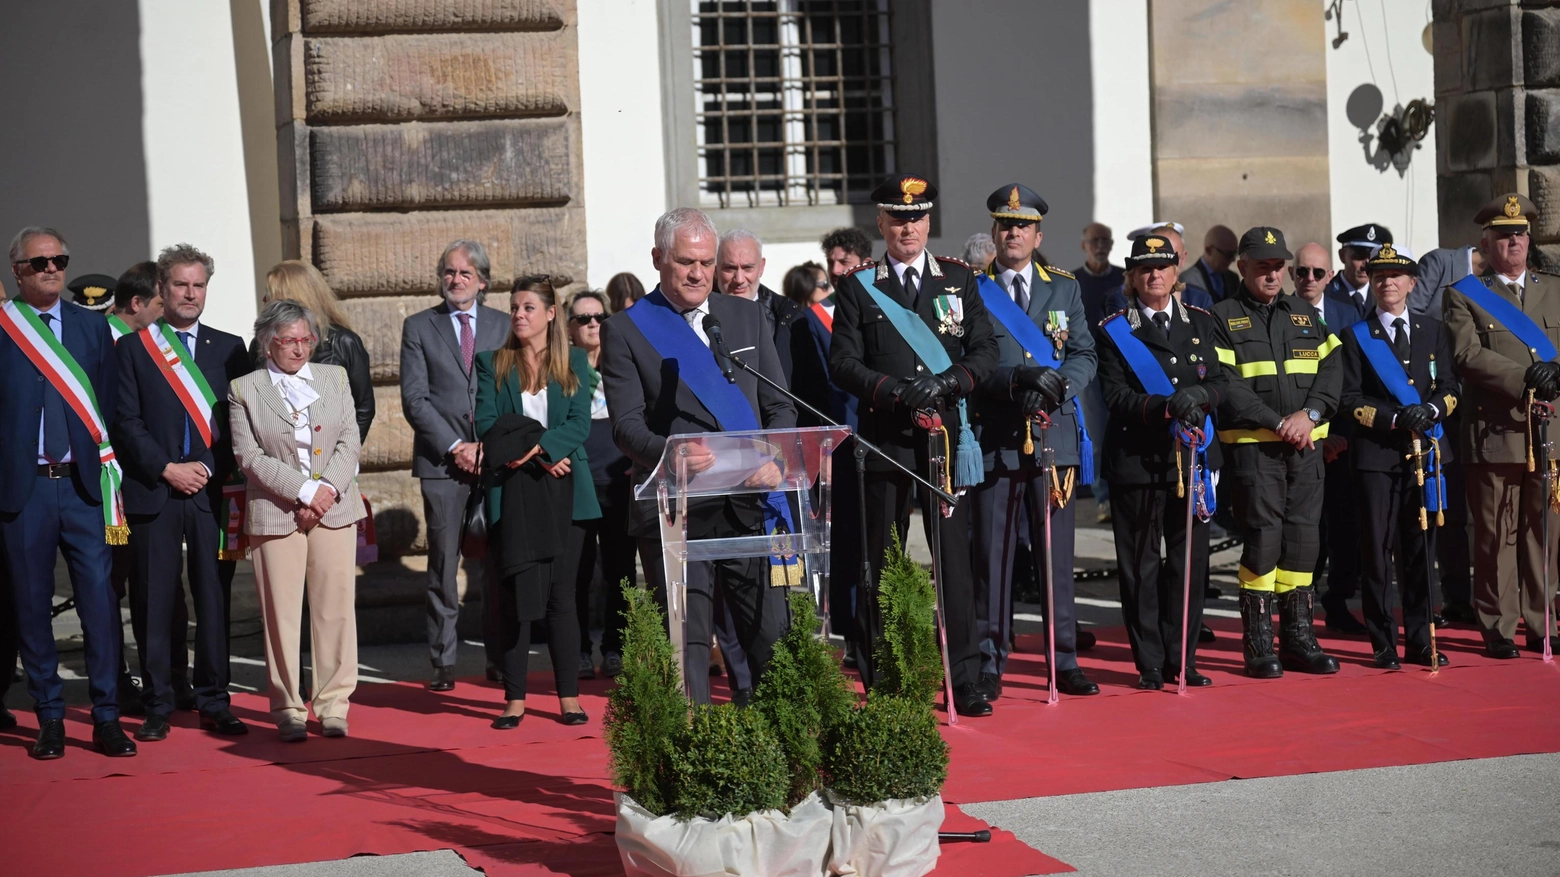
(1236, 324)
(1055, 270)
(1301, 320)
(932, 266)
(952, 261)
(882, 271)
(1040, 272)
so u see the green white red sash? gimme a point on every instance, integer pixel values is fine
(20, 321)
(117, 327)
(178, 367)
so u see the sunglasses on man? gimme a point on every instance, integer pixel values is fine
(41, 263)
(587, 319)
(1302, 273)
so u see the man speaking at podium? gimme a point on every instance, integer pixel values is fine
(662, 379)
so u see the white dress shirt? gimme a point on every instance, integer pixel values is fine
(59, 332)
(1386, 323)
(470, 311)
(298, 396)
(919, 265)
(1007, 275)
(1520, 280)
(695, 320)
(534, 405)
(1148, 312)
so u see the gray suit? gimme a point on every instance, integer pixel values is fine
(438, 397)
(1438, 269)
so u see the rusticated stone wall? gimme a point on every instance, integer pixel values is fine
(1497, 84)
(401, 126)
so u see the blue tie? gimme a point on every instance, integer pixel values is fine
(184, 338)
(56, 429)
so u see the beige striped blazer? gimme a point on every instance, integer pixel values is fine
(266, 451)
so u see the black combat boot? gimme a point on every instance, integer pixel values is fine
(1297, 639)
(1256, 615)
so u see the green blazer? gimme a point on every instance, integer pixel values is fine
(568, 424)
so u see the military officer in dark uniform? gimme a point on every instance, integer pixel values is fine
(1144, 465)
(1047, 359)
(873, 361)
(1351, 285)
(1506, 502)
(1396, 407)
(1271, 424)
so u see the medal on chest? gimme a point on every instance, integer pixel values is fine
(950, 314)
(1056, 327)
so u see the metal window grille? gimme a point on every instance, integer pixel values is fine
(793, 101)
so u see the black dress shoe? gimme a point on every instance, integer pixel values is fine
(1459, 613)
(7, 721)
(990, 687)
(1421, 656)
(183, 697)
(1438, 619)
(1503, 649)
(1341, 620)
(1386, 659)
(153, 729)
(1075, 683)
(111, 739)
(51, 740)
(224, 723)
(508, 723)
(1151, 680)
(967, 701)
(574, 718)
(443, 679)
(1206, 635)
(742, 697)
(1212, 593)
(1085, 640)
(1194, 679)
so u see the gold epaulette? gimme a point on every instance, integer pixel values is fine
(1055, 270)
(952, 261)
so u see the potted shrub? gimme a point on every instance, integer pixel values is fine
(885, 764)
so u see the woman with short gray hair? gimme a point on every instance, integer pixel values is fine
(295, 437)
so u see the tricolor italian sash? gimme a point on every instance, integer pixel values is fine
(231, 542)
(178, 368)
(823, 315)
(20, 321)
(117, 327)
(1385, 363)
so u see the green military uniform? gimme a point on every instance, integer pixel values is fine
(1505, 499)
(1282, 351)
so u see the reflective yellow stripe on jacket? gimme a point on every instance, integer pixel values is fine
(1247, 436)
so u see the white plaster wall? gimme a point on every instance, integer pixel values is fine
(620, 121)
(1123, 153)
(1381, 53)
(195, 181)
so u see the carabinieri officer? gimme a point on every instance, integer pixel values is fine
(1047, 359)
(1158, 370)
(1271, 422)
(911, 334)
(1399, 385)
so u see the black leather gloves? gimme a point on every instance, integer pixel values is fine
(1048, 382)
(1543, 378)
(1032, 402)
(1189, 405)
(924, 392)
(1416, 418)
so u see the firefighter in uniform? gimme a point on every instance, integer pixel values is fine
(1496, 333)
(1399, 385)
(1159, 343)
(1272, 424)
(911, 336)
(1047, 359)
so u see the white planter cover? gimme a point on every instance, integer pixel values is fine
(887, 839)
(765, 844)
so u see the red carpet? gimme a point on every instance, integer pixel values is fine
(423, 771)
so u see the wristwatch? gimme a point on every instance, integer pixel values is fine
(1316, 416)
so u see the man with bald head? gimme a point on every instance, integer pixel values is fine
(1212, 272)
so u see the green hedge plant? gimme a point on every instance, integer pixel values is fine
(728, 761)
(647, 713)
(907, 661)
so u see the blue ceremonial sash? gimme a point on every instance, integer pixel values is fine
(1390, 370)
(1154, 380)
(1023, 329)
(1506, 314)
(676, 342)
(969, 468)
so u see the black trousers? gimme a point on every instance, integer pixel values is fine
(178, 644)
(1389, 528)
(1276, 496)
(1340, 550)
(512, 635)
(606, 540)
(889, 495)
(1152, 586)
(10, 642)
(760, 614)
(182, 534)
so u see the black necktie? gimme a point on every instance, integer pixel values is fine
(1020, 295)
(911, 290)
(1400, 339)
(184, 338)
(1162, 320)
(1359, 299)
(56, 429)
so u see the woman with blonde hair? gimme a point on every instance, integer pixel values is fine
(533, 414)
(298, 281)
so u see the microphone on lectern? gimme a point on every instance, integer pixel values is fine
(718, 346)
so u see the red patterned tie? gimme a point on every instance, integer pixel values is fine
(468, 341)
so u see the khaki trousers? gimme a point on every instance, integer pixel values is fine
(325, 562)
(1506, 504)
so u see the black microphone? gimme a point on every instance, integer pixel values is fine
(718, 346)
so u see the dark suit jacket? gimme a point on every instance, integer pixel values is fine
(1337, 291)
(1138, 445)
(149, 429)
(21, 407)
(869, 358)
(1200, 275)
(811, 342)
(1376, 446)
(649, 402)
(438, 394)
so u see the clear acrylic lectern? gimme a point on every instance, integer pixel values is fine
(802, 460)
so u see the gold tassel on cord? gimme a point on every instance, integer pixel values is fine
(1532, 466)
(1180, 482)
(117, 535)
